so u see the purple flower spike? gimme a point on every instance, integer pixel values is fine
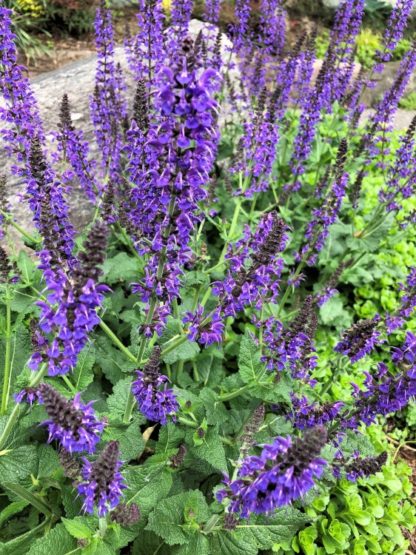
(103, 482)
(73, 424)
(360, 339)
(285, 471)
(154, 399)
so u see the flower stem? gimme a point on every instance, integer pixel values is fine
(117, 341)
(27, 236)
(188, 422)
(14, 415)
(234, 394)
(7, 358)
(102, 526)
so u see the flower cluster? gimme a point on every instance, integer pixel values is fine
(71, 423)
(255, 267)
(102, 483)
(360, 339)
(154, 399)
(284, 471)
(69, 312)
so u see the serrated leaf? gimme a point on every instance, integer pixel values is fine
(236, 542)
(170, 518)
(334, 313)
(186, 351)
(129, 437)
(78, 528)
(211, 450)
(121, 267)
(17, 464)
(278, 528)
(56, 542)
(249, 363)
(48, 461)
(147, 485)
(197, 545)
(116, 402)
(112, 362)
(82, 374)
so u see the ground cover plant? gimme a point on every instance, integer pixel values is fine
(208, 366)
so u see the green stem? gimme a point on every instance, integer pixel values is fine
(14, 415)
(174, 345)
(234, 394)
(287, 292)
(69, 384)
(7, 357)
(102, 526)
(117, 341)
(188, 422)
(20, 229)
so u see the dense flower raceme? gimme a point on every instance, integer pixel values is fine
(255, 267)
(284, 471)
(73, 424)
(402, 177)
(258, 146)
(75, 150)
(154, 399)
(292, 348)
(69, 312)
(360, 340)
(323, 217)
(102, 485)
(178, 154)
(146, 49)
(395, 28)
(107, 105)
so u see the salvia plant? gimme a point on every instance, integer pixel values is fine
(187, 374)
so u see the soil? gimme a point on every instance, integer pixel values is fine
(62, 49)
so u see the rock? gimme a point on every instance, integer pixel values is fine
(77, 80)
(384, 81)
(401, 121)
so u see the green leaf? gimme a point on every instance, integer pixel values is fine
(27, 267)
(278, 528)
(186, 351)
(197, 545)
(307, 539)
(112, 361)
(147, 485)
(48, 461)
(211, 450)
(78, 528)
(17, 464)
(56, 542)
(237, 542)
(121, 267)
(83, 374)
(28, 496)
(333, 313)
(11, 510)
(177, 518)
(116, 402)
(129, 437)
(249, 363)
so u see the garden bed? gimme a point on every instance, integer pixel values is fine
(207, 286)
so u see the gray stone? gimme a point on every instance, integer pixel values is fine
(401, 121)
(384, 81)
